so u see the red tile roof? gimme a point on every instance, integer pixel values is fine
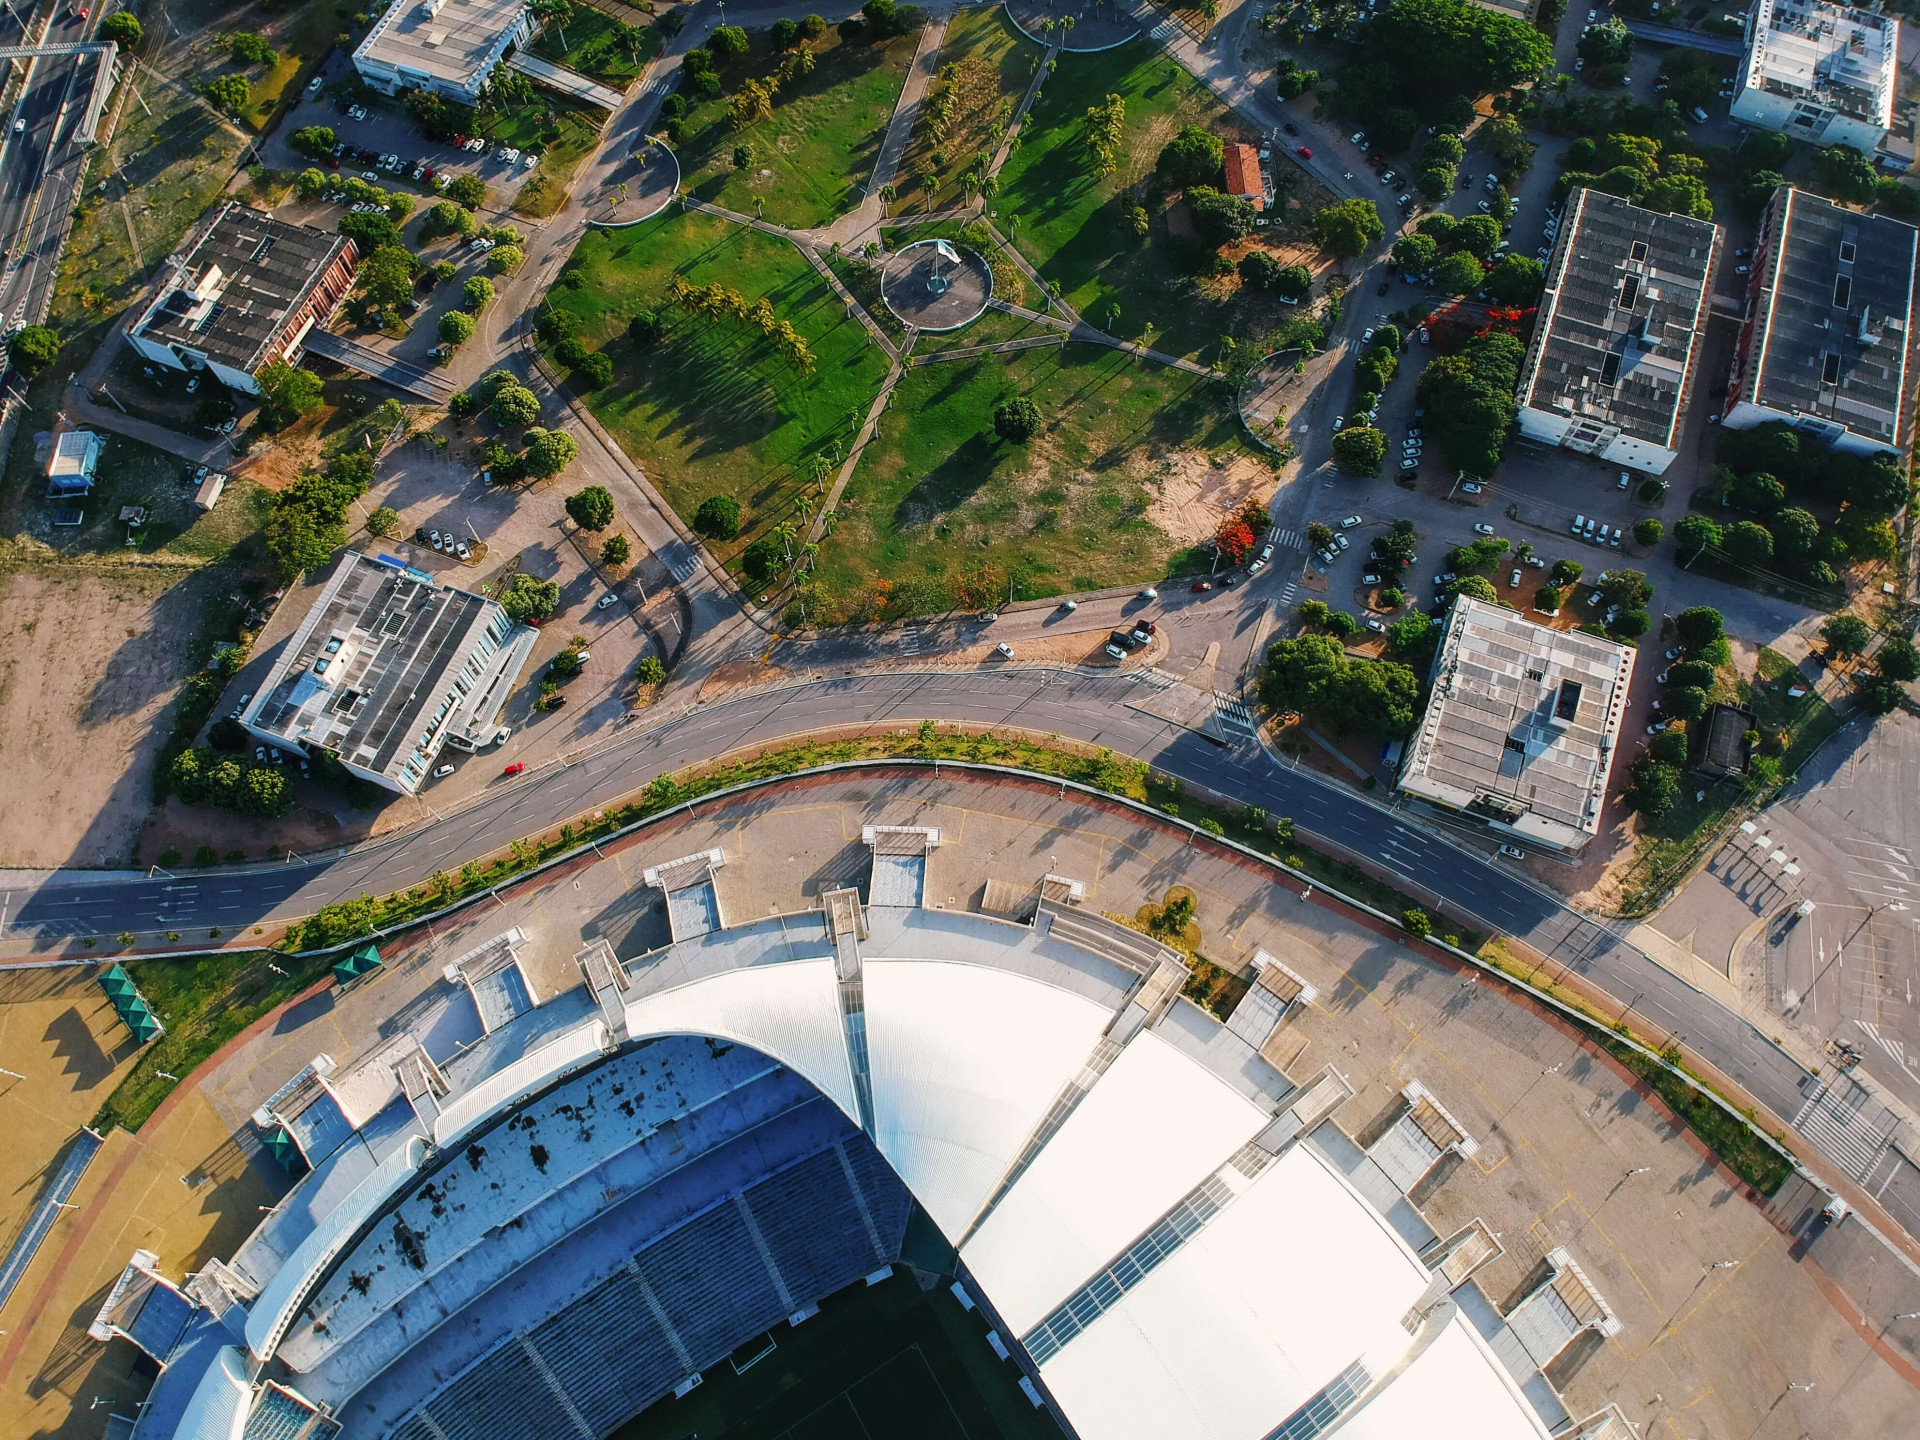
(1243, 173)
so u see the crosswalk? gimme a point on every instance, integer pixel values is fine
(1165, 33)
(679, 561)
(1233, 715)
(1154, 679)
(1293, 589)
(1836, 1120)
(910, 640)
(1288, 539)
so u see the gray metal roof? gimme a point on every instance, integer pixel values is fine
(444, 39)
(1524, 719)
(1833, 315)
(370, 670)
(1626, 288)
(1834, 54)
(231, 295)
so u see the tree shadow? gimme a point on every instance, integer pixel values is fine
(950, 484)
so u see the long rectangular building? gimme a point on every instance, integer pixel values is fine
(388, 667)
(446, 47)
(1828, 327)
(1523, 725)
(1612, 355)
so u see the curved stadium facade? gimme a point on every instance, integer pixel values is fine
(613, 1188)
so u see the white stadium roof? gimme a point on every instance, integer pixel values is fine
(1174, 1261)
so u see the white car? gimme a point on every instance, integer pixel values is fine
(1376, 627)
(1471, 488)
(1412, 462)
(442, 772)
(1003, 650)
(1266, 553)
(313, 85)
(1339, 423)
(607, 599)
(1347, 524)
(1483, 529)
(1512, 853)
(356, 112)
(1514, 579)
(481, 246)
(436, 539)
(1341, 541)
(1486, 207)
(1366, 335)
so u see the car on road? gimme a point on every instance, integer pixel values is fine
(1347, 524)
(607, 599)
(1673, 655)
(1385, 286)
(1446, 578)
(1359, 137)
(1201, 587)
(1512, 852)
(1339, 423)
(1483, 529)
(442, 772)
(1291, 128)
(1149, 593)
(20, 125)
(1069, 606)
(1303, 152)
(1366, 336)
(313, 85)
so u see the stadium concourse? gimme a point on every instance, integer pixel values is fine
(601, 1193)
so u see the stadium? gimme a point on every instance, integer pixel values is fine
(537, 1215)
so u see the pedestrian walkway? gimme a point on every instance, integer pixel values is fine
(567, 82)
(1847, 1123)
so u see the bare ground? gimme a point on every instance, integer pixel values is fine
(89, 666)
(1195, 494)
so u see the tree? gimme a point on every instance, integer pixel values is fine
(1359, 450)
(591, 508)
(1193, 157)
(1458, 274)
(1610, 43)
(1699, 627)
(1294, 282)
(33, 349)
(1348, 228)
(513, 404)
(1756, 190)
(1848, 175)
(528, 600)
(456, 327)
(1878, 694)
(728, 41)
(122, 27)
(287, 393)
(1846, 634)
(1897, 659)
(718, 517)
(447, 218)
(1106, 129)
(1648, 531)
(1474, 587)
(1515, 280)
(1234, 540)
(884, 18)
(314, 140)
(1685, 702)
(1416, 253)
(1313, 674)
(477, 294)
(1630, 624)
(1691, 672)
(1654, 788)
(1220, 219)
(1016, 419)
(551, 451)
(383, 521)
(616, 552)
(1794, 531)
(785, 34)
(441, 271)
(1669, 747)
(1469, 400)
(309, 183)
(231, 93)
(1697, 533)
(1259, 270)
(1626, 588)
(1567, 572)
(593, 371)
(646, 328)
(1749, 543)
(761, 560)
(468, 190)
(298, 540)
(247, 48)
(1505, 138)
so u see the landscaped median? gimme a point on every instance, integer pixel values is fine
(206, 1000)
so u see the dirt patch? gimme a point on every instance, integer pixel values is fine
(1195, 495)
(736, 675)
(90, 665)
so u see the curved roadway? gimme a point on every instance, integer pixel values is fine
(1094, 709)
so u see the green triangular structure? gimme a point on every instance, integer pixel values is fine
(144, 1028)
(366, 958)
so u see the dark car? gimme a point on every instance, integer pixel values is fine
(1384, 288)
(1200, 587)
(1291, 129)
(1125, 640)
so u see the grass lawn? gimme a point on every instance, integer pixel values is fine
(809, 161)
(1075, 230)
(888, 1362)
(986, 65)
(941, 507)
(993, 328)
(595, 46)
(713, 410)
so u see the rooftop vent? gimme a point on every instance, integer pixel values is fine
(1567, 704)
(1638, 250)
(435, 37)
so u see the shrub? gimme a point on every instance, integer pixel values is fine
(616, 552)
(1417, 922)
(645, 328)
(250, 49)
(1648, 531)
(718, 517)
(33, 349)
(651, 671)
(595, 371)
(761, 560)
(123, 27)
(528, 600)
(503, 258)
(383, 521)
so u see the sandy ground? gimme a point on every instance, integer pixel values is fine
(1195, 495)
(88, 666)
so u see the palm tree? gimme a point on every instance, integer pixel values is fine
(989, 186)
(929, 183)
(967, 186)
(807, 553)
(803, 506)
(828, 520)
(888, 194)
(784, 533)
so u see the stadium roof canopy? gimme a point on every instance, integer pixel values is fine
(1151, 1209)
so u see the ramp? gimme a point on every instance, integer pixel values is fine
(45, 1211)
(567, 82)
(401, 374)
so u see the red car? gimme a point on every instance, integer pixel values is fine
(1200, 587)
(513, 769)
(1303, 152)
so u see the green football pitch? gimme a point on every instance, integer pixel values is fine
(891, 1362)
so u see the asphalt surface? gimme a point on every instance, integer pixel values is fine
(1045, 701)
(40, 170)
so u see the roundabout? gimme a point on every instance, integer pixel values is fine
(932, 285)
(1079, 26)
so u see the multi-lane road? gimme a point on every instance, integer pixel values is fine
(41, 166)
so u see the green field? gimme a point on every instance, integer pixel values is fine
(712, 410)
(809, 161)
(1075, 229)
(887, 1363)
(989, 65)
(943, 508)
(593, 43)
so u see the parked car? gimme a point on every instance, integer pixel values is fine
(441, 772)
(1346, 524)
(1472, 488)
(1201, 587)
(1514, 579)
(513, 769)
(1412, 462)
(607, 599)
(1376, 626)
(1341, 541)
(1303, 152)
(1003, 650)
(1513, 853)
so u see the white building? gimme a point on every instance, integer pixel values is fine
(1612, 353)
(73, 462)
(1828, 326)
(388, 667)
(446, 46)
(1820, 73)
(1523, 725)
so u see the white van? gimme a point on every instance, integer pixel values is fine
(1579, 521)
